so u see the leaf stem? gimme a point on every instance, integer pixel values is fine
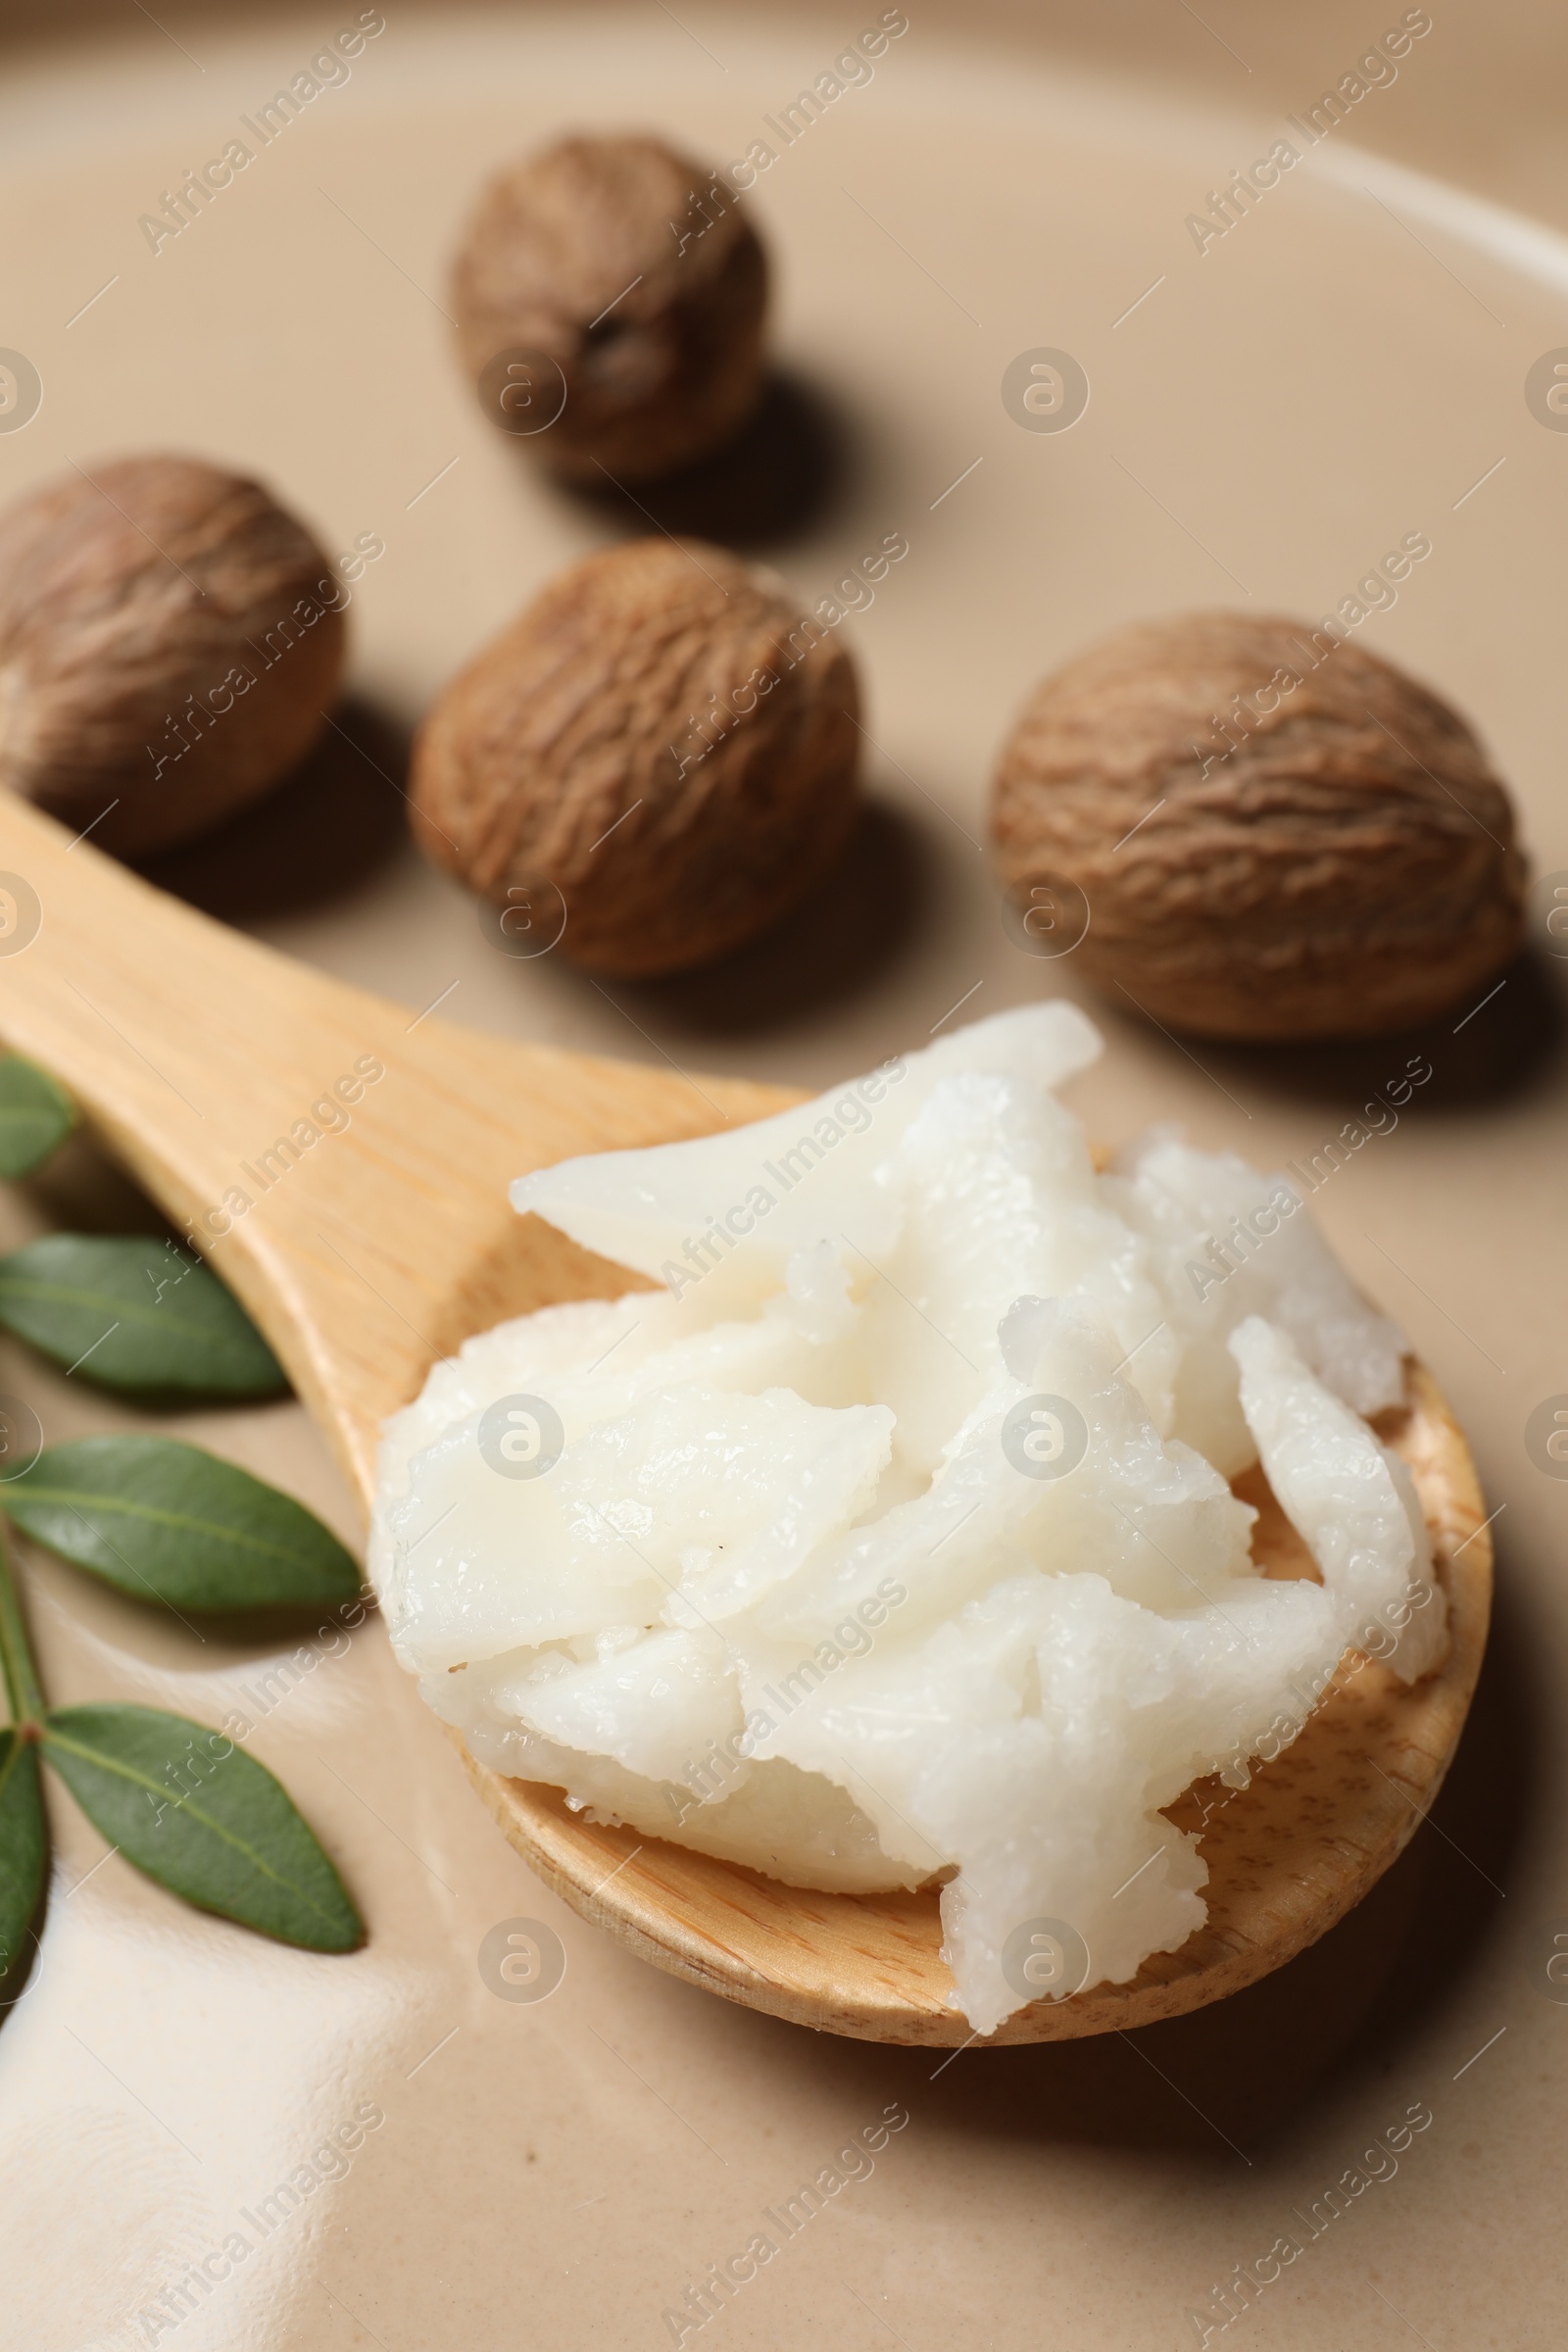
(23, 1688)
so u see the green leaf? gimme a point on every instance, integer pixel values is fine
(204, 1819)
(135, 1313)
(24, 1854)
(18, 1667)
(35, 1116)
(166, 1521)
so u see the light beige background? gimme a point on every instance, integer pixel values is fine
(1342, 369)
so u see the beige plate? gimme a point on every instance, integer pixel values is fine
(393, 1241)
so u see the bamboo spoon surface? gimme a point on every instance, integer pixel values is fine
(380, 1247)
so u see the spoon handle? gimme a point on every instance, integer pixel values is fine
(183, 1040)
(344, 1162)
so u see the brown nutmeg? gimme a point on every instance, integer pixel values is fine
(170, 638)
(1276, 835)
(664, 738)
(618, 273)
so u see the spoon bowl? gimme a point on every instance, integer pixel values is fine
(344, 1166)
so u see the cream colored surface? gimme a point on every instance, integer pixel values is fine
(1278, 411)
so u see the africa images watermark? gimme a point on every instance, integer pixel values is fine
(174, 2303)
(257, 1698)
(1376, 592)
(1374, 1640)
(855, 592)
(329, 596)
(849, 71)
(854, 1638)
(182, 206)
(1244, 1236)
(850, 1114)
(722, 2282)
(1243, 2287)
(1229, 206)
(329, 1114)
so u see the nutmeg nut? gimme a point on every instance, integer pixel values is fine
(664, 738)
(610, 297)
(169, 640)
(1275, 834)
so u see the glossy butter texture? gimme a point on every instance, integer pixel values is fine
(893, 1539)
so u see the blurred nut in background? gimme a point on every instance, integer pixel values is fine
(1277, 834)
(609, 299)
(665, 737)
(170, 638)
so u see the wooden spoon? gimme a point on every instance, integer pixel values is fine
(366, 1254)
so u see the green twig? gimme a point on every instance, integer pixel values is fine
(16, 1652)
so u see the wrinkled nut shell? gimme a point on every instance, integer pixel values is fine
(1348, 867)
(672, 371)
(664, 737)
(154, 650)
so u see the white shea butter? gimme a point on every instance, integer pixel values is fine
(890, 1539)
